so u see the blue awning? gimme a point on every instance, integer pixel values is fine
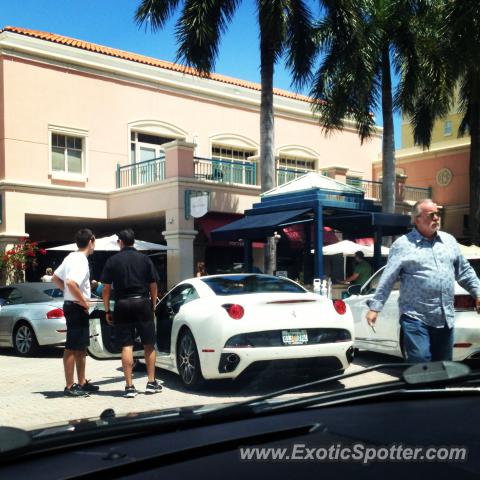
(256, 227)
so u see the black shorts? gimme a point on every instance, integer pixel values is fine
(78, 326)
(134, 317)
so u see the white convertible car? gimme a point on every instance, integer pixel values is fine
(220, 326)
(387, 336)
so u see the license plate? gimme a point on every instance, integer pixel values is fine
(294, 337)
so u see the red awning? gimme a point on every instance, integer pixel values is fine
(367, 242)
(295, 235)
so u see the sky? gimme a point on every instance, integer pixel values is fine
(111, 23)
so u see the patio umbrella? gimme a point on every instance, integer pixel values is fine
(109, 244)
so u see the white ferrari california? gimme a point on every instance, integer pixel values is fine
(387, 336)
(220, 326)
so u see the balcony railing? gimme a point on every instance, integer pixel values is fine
(226, 171)
(373, 190)
(285, 175)
(141, 173)
(245, 173)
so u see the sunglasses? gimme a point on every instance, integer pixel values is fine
(432, 215)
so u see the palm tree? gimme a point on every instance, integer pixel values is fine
(361, 40)
(285, 29)
(451, 75)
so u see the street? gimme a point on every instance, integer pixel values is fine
(32, 388)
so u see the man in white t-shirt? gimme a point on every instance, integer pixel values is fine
(73, 277)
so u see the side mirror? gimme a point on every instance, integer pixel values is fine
(354, 289)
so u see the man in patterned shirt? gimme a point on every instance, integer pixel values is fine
(427, 262)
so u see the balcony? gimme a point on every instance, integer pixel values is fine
(180, 162)
(403, 193)
(225, 171)
(141, 173)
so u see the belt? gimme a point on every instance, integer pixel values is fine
(70, 302)
(132, 296)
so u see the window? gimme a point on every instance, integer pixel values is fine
(243, 284)
(296, 163)
(231, 153)
(146, 146)
(180, 296)
(370, 287)
(447, 128)
(231, 165)
(67, 154)
(291, 167)
(10, 296)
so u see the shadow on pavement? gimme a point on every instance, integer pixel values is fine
(259, 384)
(43, 352)
(369, 359)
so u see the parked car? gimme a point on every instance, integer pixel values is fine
(220, 326)
(387, 337)
(31, 315)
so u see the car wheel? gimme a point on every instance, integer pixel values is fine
(188, 362)
(24, 340)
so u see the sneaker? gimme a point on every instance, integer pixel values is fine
(75, 391)
(130, 392)
(153, 387)
(88, 387)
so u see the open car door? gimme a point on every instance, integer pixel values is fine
(103, 342)
(385, 337)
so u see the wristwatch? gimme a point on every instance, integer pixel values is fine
(106, 313)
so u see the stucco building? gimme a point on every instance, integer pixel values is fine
(443, 168)
(98, 137)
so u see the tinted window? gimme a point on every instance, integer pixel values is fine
(53, 292)
(10, 296)
(240, 284)
(4, 294)
(476, 266)
(371, 286)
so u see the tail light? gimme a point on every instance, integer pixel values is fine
(464, 302)
(234, 310)
(55, 313)
(339, 306)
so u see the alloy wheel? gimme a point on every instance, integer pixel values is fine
(24, 339)
(187, 361)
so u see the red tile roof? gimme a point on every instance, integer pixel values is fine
(134, 57)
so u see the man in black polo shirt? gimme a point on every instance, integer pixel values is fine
(134, 282)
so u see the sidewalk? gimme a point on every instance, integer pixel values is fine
(32, 390)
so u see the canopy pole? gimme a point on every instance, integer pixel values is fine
(307, 254)
(247, 255)
(377, 249)
(318, 239)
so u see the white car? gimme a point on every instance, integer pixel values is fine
(387, 336)
(220, 326)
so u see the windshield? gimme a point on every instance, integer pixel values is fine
(243, 284)
(186, 220)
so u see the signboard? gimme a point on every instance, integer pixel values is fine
(197, 203)
(198, 206)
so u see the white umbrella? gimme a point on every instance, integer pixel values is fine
(347, 248)
(109, 244)
(470, 253)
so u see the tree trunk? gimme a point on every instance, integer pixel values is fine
(267, 157)
(474, 215)
(388, 142)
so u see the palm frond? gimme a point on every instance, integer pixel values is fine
(199, 30)
(300, 42)
(154, 13)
